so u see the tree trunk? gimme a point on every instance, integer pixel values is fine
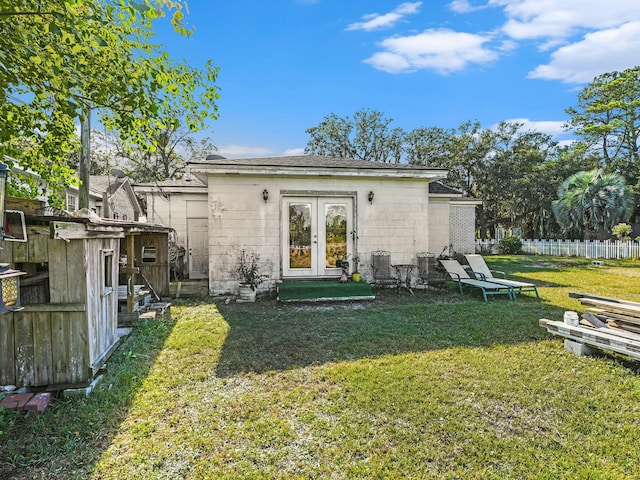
(85, 157)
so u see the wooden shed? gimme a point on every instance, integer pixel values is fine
(68, 322)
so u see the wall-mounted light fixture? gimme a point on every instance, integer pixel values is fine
(370, 196)
(265, 195)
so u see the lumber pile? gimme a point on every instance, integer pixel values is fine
(606, 324)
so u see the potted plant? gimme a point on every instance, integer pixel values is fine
(250, 276)
(355, 275)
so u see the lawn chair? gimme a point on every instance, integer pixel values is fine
(460, 275)
(481, 270)
(381, 268)
(427, 273)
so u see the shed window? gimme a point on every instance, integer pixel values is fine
(107, 269)
(149, 254)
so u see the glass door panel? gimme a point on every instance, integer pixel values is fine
(300, 235)
(335, 218)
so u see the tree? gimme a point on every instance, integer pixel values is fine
(539, 185)
(64, 59)
(365, 137)
(331, 137)
(509, 180)
(622, 231)
(593, 201)
(607, 117)
(468, 151)
(174, 146)
(429, 146)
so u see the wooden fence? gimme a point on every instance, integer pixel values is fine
(608, 249)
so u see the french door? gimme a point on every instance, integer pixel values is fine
(316, 235)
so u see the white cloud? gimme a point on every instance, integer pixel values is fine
(553, 19)
(464, 6)
(550, 127)
(442, 50)
(375, 21)
(583, 38)
(243, 151)
(598, 52)
(294, 151)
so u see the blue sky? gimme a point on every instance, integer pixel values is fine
(286, 64)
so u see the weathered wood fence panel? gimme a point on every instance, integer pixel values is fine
(7, 351)
(43, 348)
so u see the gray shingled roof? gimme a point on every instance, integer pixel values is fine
(439, 187)
(310, 161)
(99, 184)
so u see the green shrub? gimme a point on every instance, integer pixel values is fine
(511, 245)
(622, 231)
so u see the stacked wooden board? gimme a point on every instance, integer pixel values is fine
(606, 324)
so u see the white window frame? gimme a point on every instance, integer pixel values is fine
(108, 268)
(74, 198)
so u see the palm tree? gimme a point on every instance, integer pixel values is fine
(593, 201)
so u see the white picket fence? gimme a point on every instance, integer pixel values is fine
(571, 248)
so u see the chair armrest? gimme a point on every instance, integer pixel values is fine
(480, 276)
(504, 274)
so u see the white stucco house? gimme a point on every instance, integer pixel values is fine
(302, 213)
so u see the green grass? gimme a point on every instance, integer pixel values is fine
(437, 386)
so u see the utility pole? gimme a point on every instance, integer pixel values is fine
(85, 156)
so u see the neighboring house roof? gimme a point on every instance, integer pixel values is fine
(455, 196)
(442, 189)
(99, 184)
(316, 165)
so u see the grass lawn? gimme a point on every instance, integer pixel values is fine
(437, 386)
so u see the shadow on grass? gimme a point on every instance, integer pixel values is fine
(268, 336)
(70, 437)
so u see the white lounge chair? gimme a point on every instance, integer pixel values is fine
(460, 275)
(481, 270)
